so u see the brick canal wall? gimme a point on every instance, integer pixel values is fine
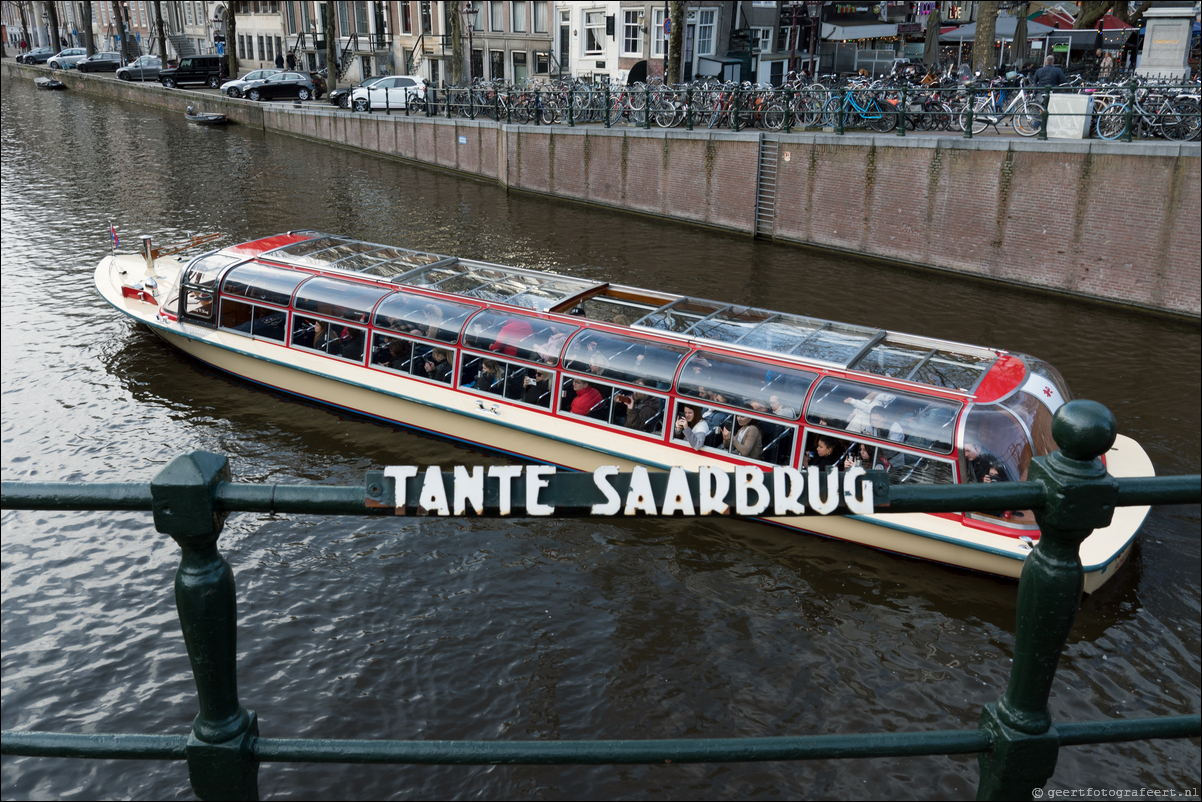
(1104, 220)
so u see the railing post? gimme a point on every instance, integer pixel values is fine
(1081, 497)
(688, 107)
(471, 104)
(1130, 112)
(839, 115)
(972, 99)
(220, 762)
(901, 114)
(449, 95)
(607, 109)
(538, 107)
(789, 110)
(736, 123)
(1043, 115)
(571, 107)
(508, 106)
(387, 104)
(647, 106)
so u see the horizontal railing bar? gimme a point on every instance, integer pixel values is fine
(960, 498)
(1100, 732)
(318, 499)
(94, 745)
(75, 495)
(1138, 491)
(709, 750)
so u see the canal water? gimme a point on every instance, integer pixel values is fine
(545, 630)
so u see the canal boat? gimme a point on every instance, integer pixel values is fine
(49, 83)
(203, 118)
(583, 374)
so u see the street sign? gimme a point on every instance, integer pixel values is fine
(667, 25)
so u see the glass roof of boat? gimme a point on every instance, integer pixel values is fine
(938, 363)
(510, 285)
(884, 353)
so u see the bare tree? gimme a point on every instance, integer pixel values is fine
(55, 38)
(24, 9)
(89, 37)
(455, 28)
(231, 41)
(161, 31)
(331, 21)
(122, 33)
(672, 67)
(983, 59)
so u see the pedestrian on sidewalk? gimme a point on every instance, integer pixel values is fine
(291, 61)
(279, 61)
(1049, 74)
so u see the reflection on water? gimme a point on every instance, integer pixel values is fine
(512, 629)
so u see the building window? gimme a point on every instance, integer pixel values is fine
(518, 9)
(290, 11)
(344, 18)
(427, 17)
(542, 62)
(594, 29)
(361, 17)
(496, 65)
(540, 16)
(262, 49)
(519, 66)
(705, 31)
(187, 13)
(632, 33)
(477, 63)
(270, 50)
(496, 16)
(242, 47)
(659, 42)
(477, 15)
(406, 18)
(762, 38)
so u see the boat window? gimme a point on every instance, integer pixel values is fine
(304, 253)
(634, 410)
(332, 338)
(742, 383)
(681, 315)
(332, 297)
(421, 316)
(825, 450)
(734, 432)
(1045, 381)
(526, 338)
(412, 358)
(614, 310)
(997, 448)
(501, 284)
(262, 283)
(198, 304)
(622, 358)
(926, 365)
(204, 270)
(257, 321)
(908, 418)
(512, 381)
(835, 342)
(1036, 415)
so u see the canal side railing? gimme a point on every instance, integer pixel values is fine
(1017, 741)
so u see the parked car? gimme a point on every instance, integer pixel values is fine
(341, 96)
(104, 61)
(143, 68)
(193, 70)
(36, 56)
(286, 84)
(234, 88)
(68, 58)
(394, 91)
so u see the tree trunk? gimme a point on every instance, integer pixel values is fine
(672, 67)
(121, 35)
(231, 42)
(55, 40)
(331, 25)
(89, 37)
(983, 58)
(1134, 19)
(1089, 14)
(455, 25)
(161, 30)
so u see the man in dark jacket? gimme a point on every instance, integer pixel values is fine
(1049, 74)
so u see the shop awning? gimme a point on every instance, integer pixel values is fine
(842, 33)
(1004, 31)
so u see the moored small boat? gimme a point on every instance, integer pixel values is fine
(49, 83)
(586, 374)
(205, 119)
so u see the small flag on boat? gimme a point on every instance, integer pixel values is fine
(113, 234)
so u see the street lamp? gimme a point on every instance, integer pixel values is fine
(471, 15)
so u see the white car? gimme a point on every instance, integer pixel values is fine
(394, 92)
(235, 87)
(66, 59)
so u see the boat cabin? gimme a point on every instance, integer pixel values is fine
(741, 384)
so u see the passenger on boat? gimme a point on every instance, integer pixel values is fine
(326, 339)
(514, 334)
(393, 353)
(587, 399)
(691, 426)
(642, 411)
(747, 438)
(433, 320)
(488, 380)
(880, 427)
(979, 461)
(438, 366)
(537, 389)
(779, 410)
(827, 453)
(718, 419)
(548, 352)
(860, 454)
(858, 420)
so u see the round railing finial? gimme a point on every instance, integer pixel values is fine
(1084, 429)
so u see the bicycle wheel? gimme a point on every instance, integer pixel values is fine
(881, 116)
(1112, 121)
(979, 124)
(830, 113)
(774, 117)
(1028, 121)
(1179, 120)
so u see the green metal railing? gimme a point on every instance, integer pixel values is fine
(1017, 741)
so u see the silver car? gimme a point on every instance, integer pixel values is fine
(236, 87)
(143, 68)
(66, 59)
